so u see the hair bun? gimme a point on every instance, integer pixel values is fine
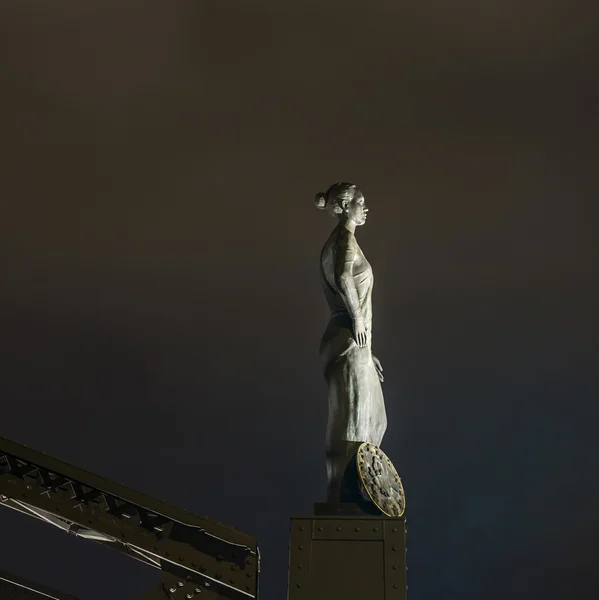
(320, 200)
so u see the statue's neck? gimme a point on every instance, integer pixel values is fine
(348, 224)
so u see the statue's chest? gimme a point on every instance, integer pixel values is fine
(362, 268)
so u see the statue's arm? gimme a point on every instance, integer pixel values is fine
(345, 255)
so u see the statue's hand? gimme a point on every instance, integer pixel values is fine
(378, 367)
(360, 332)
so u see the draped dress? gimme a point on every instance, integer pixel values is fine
(356, 404)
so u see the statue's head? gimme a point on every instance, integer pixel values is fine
(344, 201)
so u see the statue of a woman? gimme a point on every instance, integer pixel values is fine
(353, 374)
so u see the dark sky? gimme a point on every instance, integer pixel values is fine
(160, 308)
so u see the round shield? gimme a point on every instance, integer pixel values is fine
(380, 480)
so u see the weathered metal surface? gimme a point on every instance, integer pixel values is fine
(300, 552)
(347, 558)
(395, 560)
(342, 529)
(198, 551)
(380, 480)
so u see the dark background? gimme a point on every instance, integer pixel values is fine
(160, 304)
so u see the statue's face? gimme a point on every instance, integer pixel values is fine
(357, 210)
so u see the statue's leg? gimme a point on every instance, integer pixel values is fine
(347, 390)
(339, 453)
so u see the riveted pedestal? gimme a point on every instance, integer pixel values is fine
(347, 557)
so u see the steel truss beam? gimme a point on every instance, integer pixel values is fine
(13, 587)
(195, 554)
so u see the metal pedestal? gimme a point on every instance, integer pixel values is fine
(340, 556)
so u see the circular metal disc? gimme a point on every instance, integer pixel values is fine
(380, 480)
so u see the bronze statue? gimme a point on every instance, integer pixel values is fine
(354, 376)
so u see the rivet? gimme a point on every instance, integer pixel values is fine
(319, 528)
(395, 567)
(338, 528)
(300, 566)
(180, 584)
(219, 557)
(172, 590)
(357, 529)
(394, 530)
(197, 590)
(375, 529)
(189, 595)
(395, 586)
(301, 528)
(299, 585)
(300, 547)
(248, 574)
(206, 584)
(394, 548)
(233, 567)
(231, 580)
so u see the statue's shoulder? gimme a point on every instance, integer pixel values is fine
(343, 238)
